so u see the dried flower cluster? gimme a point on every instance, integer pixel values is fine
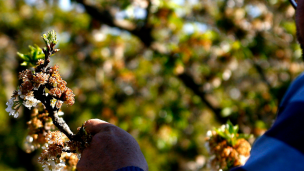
(51, 80)
(226, 154)
(53, 158)
(44, 90)
(58, 89)
(39, 126)
(57, 148)
(30, 95)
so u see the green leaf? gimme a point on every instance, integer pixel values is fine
(230, 133)
(230, 127)
(24, 63)
(32, 57)
(236, 128)
(22, 56)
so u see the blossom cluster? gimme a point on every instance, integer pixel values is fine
(50, 80)
(53, 143)
(225, 155)
(58, 89)
(57, 148)
(11, 107)
(39, 126)
(53, 158)
(43, 89)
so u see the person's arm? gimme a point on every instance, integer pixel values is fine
(111, 149)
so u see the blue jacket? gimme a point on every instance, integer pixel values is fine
(282, 146)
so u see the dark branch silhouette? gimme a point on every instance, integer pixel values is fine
(105, 17)
(189, 82)
(144, 33)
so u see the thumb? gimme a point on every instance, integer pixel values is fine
(95, 125)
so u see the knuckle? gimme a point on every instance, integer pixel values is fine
(110, 128)
(89, 122)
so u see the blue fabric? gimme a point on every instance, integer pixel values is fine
(130, 168)
(296, 85)
(282, 146)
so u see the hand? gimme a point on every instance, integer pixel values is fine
(111, 148)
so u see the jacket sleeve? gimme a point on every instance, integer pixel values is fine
(282, 146)
(130, 168)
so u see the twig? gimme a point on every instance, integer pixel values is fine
(148, 11)
(189, 82)
(45, 98)
(53, 112)
(261, 73)
(105, 17)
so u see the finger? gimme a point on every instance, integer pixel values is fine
(95, 125)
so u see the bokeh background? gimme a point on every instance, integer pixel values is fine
(166, 71)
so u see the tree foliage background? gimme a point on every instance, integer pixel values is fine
(165, 71)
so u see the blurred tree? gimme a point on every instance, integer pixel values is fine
(165, 71)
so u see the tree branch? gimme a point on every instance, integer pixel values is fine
(53, 112)
(189, 82)
(144, 34)
(105, 17)
(261, 73)
(148, 11)
(46, 99)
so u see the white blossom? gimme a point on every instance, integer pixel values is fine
(57, 166)
(28, 144)
(29, 147)
(54, 138)
(209, 133)
(30, 101)
(29, 139)
(50, 165)
(10, 104)
(53, 102)
(14, 113)
(46, 168)
(60, 113)
(10, 108)
(49, 139)
(243, 159)
(20, 94)
(45, 146)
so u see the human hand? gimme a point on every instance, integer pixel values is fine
(111, 148)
